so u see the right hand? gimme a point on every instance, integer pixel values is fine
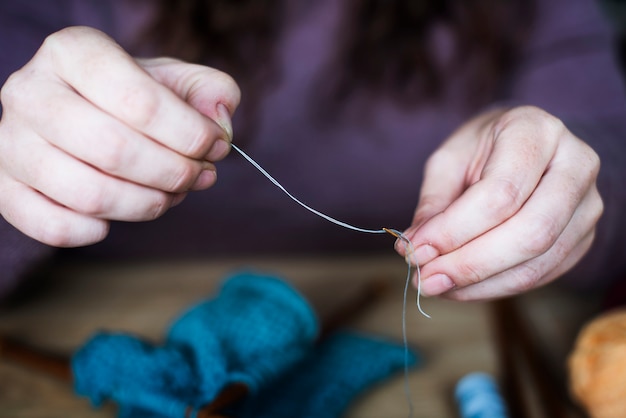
(89, 135)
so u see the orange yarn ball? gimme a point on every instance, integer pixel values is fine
(597, 366)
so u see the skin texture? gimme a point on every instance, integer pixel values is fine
(509, 202)
(76, 154)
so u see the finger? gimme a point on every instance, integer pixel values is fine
(523, 277)
(22, 207)
(103, 73)
(104, 142)
(444, 180)
(79, 186)
(212, 92)
(518, 153)
(535, 242)
(443, 183)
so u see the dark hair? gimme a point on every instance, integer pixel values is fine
(388, 46)
(385, 48)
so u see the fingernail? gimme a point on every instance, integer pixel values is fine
(425, 254)
(436, 285)
(223, 119)
(205, 180)
(219, 150)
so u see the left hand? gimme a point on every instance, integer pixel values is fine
(508, 203)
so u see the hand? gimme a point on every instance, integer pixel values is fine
(509, 202)
(90, 135)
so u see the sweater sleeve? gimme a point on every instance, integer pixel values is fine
(570, 69)
(19, 255)
(23, 27)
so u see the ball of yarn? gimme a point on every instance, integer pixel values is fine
(478, 396)
(597, 364)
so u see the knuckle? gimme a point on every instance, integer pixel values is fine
(560, 250)
(59, 43)
(228, 84)
(58, 40)
(590, 161)
(200, 143)
(441, 157)
(114, 157)
(181, 178)
(68, 37)
(525, 278)
(549, 125)
(429, 204)
(540, 234)
(536, 114)
(593, 208)
(63, 36)
(504, 198)
(19, 94)
(594, 162)
(593, 158)
(447, 241)
(597, 208)
(10, 92)
(92, 200)
(158, 205)
(468, 274)
(546, 122)
(139, 106)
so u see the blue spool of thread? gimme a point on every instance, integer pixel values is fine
(478, 396)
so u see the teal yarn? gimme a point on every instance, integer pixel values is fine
(132, 372)
(257, 330)
(326, 382)
(255, 325)
(263, 326)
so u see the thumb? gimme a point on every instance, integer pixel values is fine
(442, 184)
(213, 93)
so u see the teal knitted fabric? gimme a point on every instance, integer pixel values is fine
(325, 383)
(258, 331)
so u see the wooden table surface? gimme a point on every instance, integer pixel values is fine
(75, 300)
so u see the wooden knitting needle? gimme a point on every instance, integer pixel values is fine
(48, 363)
(517, 350)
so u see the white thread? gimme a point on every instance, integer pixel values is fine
(409, 251)
(318, 213)
(408, 248)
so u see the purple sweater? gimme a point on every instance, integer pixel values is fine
(364, 170)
